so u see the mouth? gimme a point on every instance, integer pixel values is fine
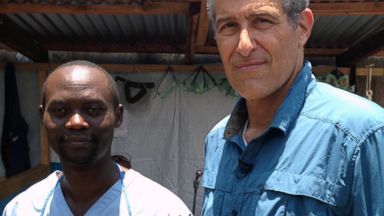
(77, 140)
(249, 65)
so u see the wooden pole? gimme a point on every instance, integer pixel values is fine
(45, 157)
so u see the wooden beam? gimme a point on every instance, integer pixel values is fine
(124, 68)
(45, 153)
(181, 0)
(180, 7)
(311, 52)
(17, 39)
(379, 53)
(192, 31)
(16, 183)
(191, 37)
(149, 8)
(150, 68)
(362, 71)
(104, 46)
(362, 50)
(314, 52)
(202, 32)
(207, 49)
(365, 71)
(188, 42)
(347, 8)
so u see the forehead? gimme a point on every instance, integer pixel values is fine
(246, 7)
(77, 82)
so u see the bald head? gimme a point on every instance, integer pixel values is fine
(81, 70)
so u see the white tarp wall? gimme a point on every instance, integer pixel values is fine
(164, 137)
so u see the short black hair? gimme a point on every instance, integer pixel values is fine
(112, 87)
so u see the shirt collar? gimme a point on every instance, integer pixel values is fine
(294, 101)
(286, 114)
(237, 119)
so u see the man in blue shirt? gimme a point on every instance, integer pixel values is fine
(291, 146)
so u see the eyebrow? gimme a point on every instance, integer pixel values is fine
(56, 101)
(251, 15)
(224, 19)
(261, 14)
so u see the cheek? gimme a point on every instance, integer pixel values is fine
(105, 123)
(49, 123)
(226, 47)
(289, 46)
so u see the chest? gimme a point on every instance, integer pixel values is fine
(282, 174)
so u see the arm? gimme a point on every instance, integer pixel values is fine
(368, 187)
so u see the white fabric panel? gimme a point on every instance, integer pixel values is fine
(165, 137)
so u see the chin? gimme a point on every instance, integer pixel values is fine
(78, 159)
(259, 95)
(252, 92)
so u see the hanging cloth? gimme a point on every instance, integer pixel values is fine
(226, 88)
(14, 142)
(200, 81)
(170, 88)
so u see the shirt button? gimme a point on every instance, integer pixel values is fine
(234, 213)
(259, 191)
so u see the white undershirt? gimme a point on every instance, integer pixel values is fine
(244, 130)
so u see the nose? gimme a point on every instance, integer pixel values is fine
(245, 45)
(76, 121)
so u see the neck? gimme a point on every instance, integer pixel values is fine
(260, 116)
(82, 186)
(262, 111)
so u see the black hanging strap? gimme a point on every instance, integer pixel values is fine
(129, 85)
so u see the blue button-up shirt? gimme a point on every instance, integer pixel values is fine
(323, 154)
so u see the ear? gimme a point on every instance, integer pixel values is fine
(119, 116)
(41, 111)
(305, 24)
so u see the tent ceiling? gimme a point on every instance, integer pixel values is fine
(348, 30)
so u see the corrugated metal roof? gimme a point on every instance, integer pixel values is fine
(148, 29)
(343, 31)
(171, 29)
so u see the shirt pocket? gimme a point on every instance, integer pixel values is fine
(309, 186)
(284, 193)
(214, 193)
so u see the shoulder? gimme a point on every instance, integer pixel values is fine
(32, 199)
(216, 133)
(150, 196)
(330, 99)
(221, 124)
(214, 146)
(345, 110)
(215, 141)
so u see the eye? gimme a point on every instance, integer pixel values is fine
(96, 110)
(262, 23)
(58, 111)
(228, 28)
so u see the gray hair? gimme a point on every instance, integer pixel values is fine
(291, 7)
(112, 87)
